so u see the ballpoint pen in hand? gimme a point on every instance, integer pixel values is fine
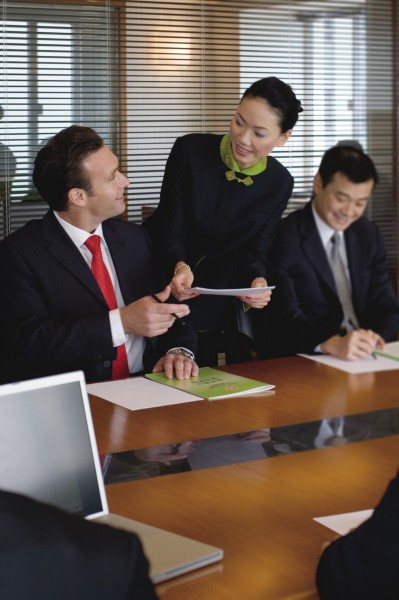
(174, 314)
(355, 328)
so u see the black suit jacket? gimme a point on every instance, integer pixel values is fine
(53, 316)
(47, 554)
(364, 565)
(305, 309)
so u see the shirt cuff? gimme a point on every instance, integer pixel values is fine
(118, 334)
(318, 350)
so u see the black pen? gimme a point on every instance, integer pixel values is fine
(355, 328)
(174, 314)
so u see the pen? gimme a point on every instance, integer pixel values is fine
(355, 328)
(174, 314)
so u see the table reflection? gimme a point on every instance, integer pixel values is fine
(249, 445)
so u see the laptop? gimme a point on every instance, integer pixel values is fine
(48, 451)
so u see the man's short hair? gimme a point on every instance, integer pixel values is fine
(58, 165)
(350, 160)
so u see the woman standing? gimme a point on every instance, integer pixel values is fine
(221, 199)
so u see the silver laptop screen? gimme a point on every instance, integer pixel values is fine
(45, 448)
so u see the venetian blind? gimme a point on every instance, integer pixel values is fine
(144, 72)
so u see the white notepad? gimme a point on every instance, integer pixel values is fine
(345, 522)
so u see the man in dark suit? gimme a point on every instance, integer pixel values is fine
(49, 554)
(364, 564)
(309, 310)
(54, 315)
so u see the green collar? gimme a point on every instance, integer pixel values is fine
(228, 159)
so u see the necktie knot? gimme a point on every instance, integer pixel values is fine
(336, 242)
(93, 243)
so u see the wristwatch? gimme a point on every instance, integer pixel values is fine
(184, 351)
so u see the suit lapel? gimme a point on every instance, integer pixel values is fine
(354, 253)
(313, 247)
(65, 252)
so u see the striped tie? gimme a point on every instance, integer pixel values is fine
(120, 369)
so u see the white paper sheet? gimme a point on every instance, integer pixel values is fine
(231, 291)
(366, 365)
(345, 522)
(136, 393)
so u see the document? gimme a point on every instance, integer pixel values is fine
(345, 522)
(386, 360)
(231, 291)
(136, 393)
(213, 384)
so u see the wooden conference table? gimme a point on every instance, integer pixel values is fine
(260, 511)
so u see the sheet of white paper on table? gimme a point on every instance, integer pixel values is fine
(231, 291)
(136, 393)
(366, 365)
(345, 522)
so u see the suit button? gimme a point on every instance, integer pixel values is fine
(107, 363)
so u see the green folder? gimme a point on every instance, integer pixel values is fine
(214, 384)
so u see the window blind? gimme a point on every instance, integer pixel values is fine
(145, 72)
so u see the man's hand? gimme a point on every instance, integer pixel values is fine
(176, 365)
(354, 345)
(261, 300)
(165, 454)
(149, 318)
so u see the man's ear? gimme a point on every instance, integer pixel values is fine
(77, 197)
(317, 183)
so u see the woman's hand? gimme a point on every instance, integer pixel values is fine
(181, 282)
(261, 300)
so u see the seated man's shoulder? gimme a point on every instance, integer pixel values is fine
(290, 222)
(29, 231)
(50, 546)
(365, 226)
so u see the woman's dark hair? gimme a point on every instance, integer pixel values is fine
(351, 161)
(281, 98)
(58, 165)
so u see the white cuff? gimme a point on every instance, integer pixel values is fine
(118, 335)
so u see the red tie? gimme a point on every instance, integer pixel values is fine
(120, 368)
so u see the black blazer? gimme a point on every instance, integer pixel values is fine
(47, 554)
(305, 309)
(221, 228)
(53, 316)
(364, 565)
